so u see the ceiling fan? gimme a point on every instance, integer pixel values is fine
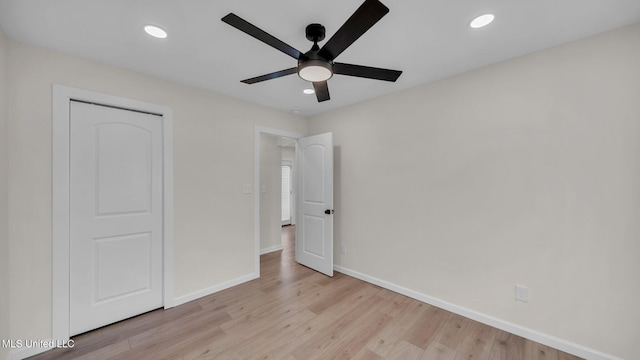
(317, 65)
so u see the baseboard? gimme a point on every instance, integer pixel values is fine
(271, 249)
(25, 353)
(32, 349)
(214, 289)
(552, 341)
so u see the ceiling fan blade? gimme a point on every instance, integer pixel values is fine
(322, 90)
(250, 29)
(270, 76)
(366, 72)
(362, 20)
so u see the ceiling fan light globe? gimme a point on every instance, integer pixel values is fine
(315, 71)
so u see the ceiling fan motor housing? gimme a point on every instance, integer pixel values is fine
(315, 32)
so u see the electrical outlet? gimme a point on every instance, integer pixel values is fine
(522, 293)
(343, 248)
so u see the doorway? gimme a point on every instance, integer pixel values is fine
(268, 145)
(276, 190)
(63, 97)
(314, 225)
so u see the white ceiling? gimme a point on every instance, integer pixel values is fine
(428, 40)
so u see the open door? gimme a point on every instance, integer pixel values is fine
(314, 228)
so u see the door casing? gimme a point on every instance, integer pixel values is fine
(62, 95)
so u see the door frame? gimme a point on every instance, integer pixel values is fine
(260, 130)
(61, 98)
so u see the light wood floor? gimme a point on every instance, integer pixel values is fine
(294, 313)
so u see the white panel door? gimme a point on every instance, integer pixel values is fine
(115, 215)
(314, 227)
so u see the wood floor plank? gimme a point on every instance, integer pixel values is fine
(229, 299)
(536, 351)
(507, 346)
(339, 308)
(383, 343)
(150, 320)
(395, 303)
(263, 346)
(113, 349)
(477, 342)
(425, 331)
(173, 347)
(343, 288)
(212, 348)
(357, 337)
(453, 330)
(405, 351)
(437, 351)
(264, 317)
(278, 349)
(324, 339)
(366, 354)
(193, 323)
(565, 356)
(295, 313)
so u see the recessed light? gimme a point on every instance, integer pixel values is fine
(481, 21)
(155, 31)
(308, 91)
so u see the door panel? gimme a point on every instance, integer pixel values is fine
(124, 172)
(314, 231)
(313, 234)
(116, 215)
(123, 266)
(313, 175)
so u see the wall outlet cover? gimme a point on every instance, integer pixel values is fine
(522, 293)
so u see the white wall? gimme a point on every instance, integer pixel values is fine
(213, 158)
(4, 206)
(270, 193)
(525, 172)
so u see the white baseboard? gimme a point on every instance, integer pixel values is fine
(28, 351)
(271, 249)
(25, 353)
(214, 289)
(552, 341)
